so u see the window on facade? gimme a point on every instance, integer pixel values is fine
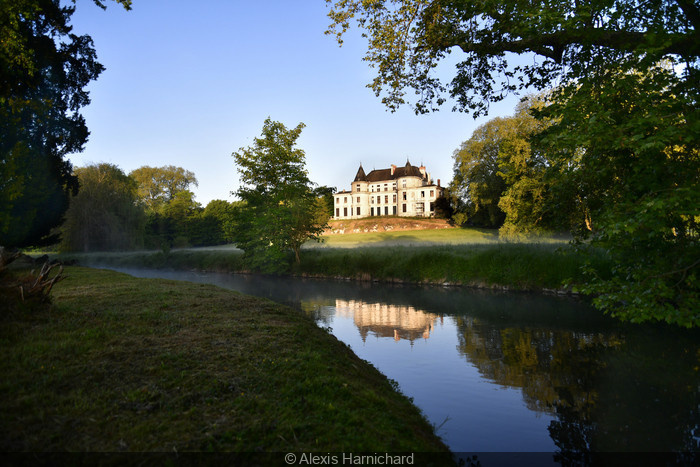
(358, 187)
(432, 193)
(404, 196)
(337, 212)
(386, 210)
(345, 199)
(394, 210)
(371, 200)
(337, 200)
(372, 211)
(358, 210)
(386, 198)
(345, 212)
(394, 198)
(422, 194)
(386, 188)
(358, 199)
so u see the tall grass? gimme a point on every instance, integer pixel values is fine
(515, 265)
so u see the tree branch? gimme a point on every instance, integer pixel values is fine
(552, 45)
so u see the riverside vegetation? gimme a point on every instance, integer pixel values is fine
(125, 364)
(473, 257)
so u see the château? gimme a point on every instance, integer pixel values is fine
(406, 191)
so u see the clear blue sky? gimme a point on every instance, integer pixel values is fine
(189, 82)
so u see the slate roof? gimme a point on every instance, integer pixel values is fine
(385, 174)
(360, 177)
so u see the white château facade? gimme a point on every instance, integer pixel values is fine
(398, 191)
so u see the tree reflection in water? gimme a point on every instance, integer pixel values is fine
(611, 391)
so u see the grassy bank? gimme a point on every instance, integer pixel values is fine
(126, 364)
(520, 266)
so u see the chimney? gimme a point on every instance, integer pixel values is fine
(393, 169)
(422, 170)
(438, 183)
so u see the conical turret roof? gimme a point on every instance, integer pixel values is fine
(361, 176)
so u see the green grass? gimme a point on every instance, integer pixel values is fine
(519, 266)
(452, 236)
(120, 363)
(409, 237)
(472, 257)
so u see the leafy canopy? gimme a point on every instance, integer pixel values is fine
(563, 41)
(627, 147)
(623, 152)
(281, 210)
(159, 186)
(44, 69)
(104, 215)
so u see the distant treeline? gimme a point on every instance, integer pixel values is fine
(151, 207)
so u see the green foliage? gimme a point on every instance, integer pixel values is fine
(160, 186)
(174, 217)
(499, 178)
(622, 154)
(627, 142)
(44, 70)
(105, 214)
(281, 210)
(211, 226)
(476, 180)
(158, 365)
(325, 194)
(408, 39)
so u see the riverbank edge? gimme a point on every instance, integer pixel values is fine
(229, 262)
(292, 380)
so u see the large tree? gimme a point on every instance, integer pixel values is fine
(44, 69)
(626, 144)
(105, 214)
(626, 150)
(500, 176)
(477, 180)
(164, 193)
(281, 209)
(159, 186)
(562, 40)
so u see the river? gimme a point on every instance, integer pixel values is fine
(508, 372)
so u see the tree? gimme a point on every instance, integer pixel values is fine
(105, 214)
(500, 178)
(208, 227)
(476, 176)
(158, 186)
(281, 210)
(408, 39)
(170, 205)
(44, 70)
(325, 193)
(626, 145)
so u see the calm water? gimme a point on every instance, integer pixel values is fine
(508, 372)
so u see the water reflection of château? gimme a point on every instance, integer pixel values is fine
(383, 320)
